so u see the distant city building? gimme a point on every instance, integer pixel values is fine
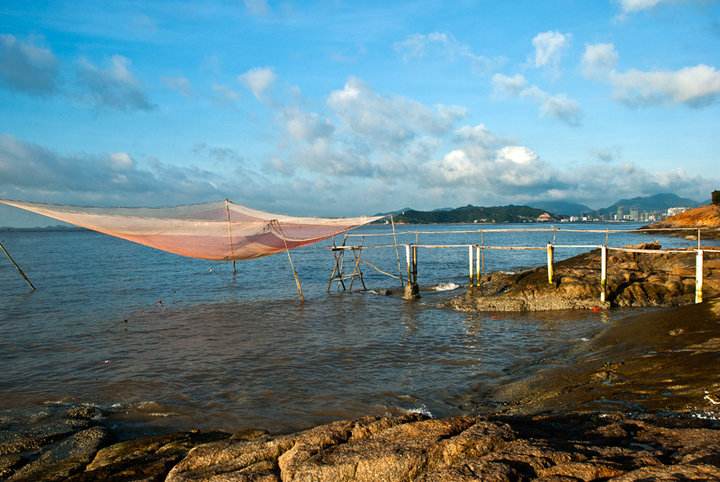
(676, 210)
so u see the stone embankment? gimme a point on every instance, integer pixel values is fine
(634, 279)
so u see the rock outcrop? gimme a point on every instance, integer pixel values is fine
(634, 279)
(705, 217)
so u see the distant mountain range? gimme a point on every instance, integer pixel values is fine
(656, 202)
(519, 214)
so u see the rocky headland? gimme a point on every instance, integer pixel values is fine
(707, 218)
(634, 279)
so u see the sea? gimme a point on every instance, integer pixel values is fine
(161, 343)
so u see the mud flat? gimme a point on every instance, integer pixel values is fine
(634, 280)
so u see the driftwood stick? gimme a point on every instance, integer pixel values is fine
(17, 267)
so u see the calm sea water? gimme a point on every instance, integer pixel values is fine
(164, 342)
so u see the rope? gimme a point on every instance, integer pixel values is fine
(298, 285)
(232, 250)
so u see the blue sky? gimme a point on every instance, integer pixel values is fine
(335, 108)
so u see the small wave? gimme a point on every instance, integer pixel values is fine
(446, 287)
(706, 415)
(422, 410)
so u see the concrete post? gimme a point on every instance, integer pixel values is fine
(603, 273)
(698, 276)
(550, 251)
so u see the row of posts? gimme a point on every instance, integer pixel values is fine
(474, 261)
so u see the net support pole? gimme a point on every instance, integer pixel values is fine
(397, 253)
(603, 273)
(17, 267)
(477, 265)
(411, 290)
(298, 284)
(698, 276)
(470, 264)
(550, 270)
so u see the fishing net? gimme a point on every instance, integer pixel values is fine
(215, 231)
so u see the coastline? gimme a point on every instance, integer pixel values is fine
(637, 401)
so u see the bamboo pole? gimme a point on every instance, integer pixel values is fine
(603, 273)
(397, 254)
(550, 250)
(17, 267)
(470, 264)
(698, 276)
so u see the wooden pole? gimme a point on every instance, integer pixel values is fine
(17, 267)
(408, 261)
(698, 276)
(698, 239)
(397, 254)
(477, 265)
(411, 290)
(550, 250)
(415, 265)
(603, 273)
(470, 263)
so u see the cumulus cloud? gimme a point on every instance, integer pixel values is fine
(392, 121)
(632, 6)
(549, 48)
(179, 84)
(417, 46)
(114, 86)
(258, 80)
(558, 106)
(599, 60)
(306, 126)
(697, 86)
(27, 67)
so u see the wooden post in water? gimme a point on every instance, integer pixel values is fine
(411, 291)
(550, 250)
(477, 266)
(603, 273)
(17, 267)
(698, 276)
(470, 263)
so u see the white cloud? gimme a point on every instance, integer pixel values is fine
(179, 84)
(417, 46)
(599, 60)
(121, 161)
(697, 86)
(258, 80)
(633, 6)
(225, 94)
(549, 48)
(558, 106)
(306, 126)
(257, 7)
(391, 121)
(26, 67)
(114, 87)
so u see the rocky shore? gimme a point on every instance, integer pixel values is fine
(634, 280)
(641, 401)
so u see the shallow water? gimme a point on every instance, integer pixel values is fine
(164, 342)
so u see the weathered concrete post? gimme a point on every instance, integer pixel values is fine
(698, 276)
(603, 273)
(477, 266)
(550, 251)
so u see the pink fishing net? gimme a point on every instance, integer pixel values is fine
(216, 231)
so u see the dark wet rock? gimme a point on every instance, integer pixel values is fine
(560, 447)
(8, 464)
(634, 280)
(67, 457)
(83, 412)
(149, 458)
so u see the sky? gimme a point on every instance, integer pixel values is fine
(347, 107)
